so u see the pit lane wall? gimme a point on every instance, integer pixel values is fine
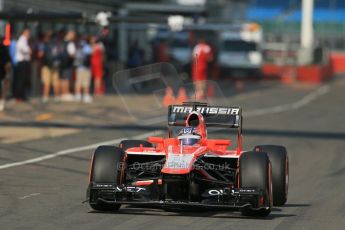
(315, 73)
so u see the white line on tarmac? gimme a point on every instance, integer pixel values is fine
(276, 109)
(291, 106)
(74, 150)
(270, 110)
(28, 196)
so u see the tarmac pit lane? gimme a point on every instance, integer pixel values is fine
(10, 135)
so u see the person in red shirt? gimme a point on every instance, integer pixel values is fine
(202, 55)
(97, 65)
(5, 69)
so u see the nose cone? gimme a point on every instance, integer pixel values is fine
(181, 160)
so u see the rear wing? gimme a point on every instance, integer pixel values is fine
(216, 116)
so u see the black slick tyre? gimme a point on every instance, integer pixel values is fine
(105, 169)
(280, 171)
(254, 171)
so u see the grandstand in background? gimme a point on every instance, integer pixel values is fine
(290, 10)
(281, 21)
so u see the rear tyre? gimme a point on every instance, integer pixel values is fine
(254, 171)
(126, 144)
(105, 169)
(280, 171)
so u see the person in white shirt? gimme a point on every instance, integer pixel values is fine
(23, 58)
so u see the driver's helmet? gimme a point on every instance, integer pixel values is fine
(189, 136)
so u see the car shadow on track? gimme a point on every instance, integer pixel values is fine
(209, 214)
(297, 205)
(280, 209)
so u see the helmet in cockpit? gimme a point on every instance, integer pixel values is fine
(189, 136)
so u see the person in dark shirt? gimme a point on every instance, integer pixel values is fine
(66, 65)
(5, 66)
(83, 71)
(49, 53)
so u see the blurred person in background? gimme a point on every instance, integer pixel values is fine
(163, 52)
(135, 56)
(12, 51)
(67, 65)
(97, 56)
(49, 53)
(83, 72)
(5, 66)
(202, 56)
(23, 70)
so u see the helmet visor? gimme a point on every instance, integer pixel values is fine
(189, 139)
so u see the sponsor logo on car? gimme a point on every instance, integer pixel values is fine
(134, 189)
(207, 110)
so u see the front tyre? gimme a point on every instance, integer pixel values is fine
(106, 168)
(280, 171)
(255, 171)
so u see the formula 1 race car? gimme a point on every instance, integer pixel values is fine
(189, 170)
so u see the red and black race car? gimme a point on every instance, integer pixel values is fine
(190, 170)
